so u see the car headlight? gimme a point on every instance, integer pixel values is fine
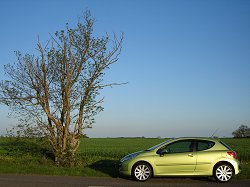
(130, 156)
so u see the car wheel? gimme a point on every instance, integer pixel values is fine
(142, 171)
(223, 172)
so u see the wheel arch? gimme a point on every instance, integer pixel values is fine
(224, 162)
(143, 161)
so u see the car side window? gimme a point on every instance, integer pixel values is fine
(178, 147)
(204, 145)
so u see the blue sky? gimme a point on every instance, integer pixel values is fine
(187, 61)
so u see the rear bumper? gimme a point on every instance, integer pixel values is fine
(237, 169)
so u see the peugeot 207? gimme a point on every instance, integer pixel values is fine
(183, 157)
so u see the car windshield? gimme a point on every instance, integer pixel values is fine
(160, 144)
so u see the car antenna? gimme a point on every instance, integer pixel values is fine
(214, 132)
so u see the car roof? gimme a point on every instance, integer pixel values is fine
(196, 138)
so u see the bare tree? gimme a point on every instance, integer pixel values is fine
(59, 89)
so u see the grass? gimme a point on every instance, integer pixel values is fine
(241, 146)
(96, 156)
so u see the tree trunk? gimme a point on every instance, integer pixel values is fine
(65, 155)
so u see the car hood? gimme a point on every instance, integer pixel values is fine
(133, 155)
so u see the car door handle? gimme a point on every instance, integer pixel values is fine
(190, 155)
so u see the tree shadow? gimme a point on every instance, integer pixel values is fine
(24, 146)
(109, 167)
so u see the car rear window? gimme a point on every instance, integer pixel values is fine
(204, 145)
(225, 145)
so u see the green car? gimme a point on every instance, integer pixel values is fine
(183, 157)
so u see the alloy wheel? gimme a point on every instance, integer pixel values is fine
(223, 173)
(142, 172)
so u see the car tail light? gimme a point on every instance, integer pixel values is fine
(232, 154)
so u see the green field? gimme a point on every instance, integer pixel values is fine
(96, 156)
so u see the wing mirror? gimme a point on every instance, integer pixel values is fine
(162, 152)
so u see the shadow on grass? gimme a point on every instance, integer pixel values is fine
(109, 167)
(25, 146)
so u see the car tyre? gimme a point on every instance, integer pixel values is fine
(142, 171)
(223, 172)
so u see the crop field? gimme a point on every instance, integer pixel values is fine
(95, 157)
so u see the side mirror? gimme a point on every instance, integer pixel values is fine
(162, 152)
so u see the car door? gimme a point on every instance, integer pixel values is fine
(205, 157)
(177, 158)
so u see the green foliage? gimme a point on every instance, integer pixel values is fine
(24, 130)
(242, 132)
(95, 157)
(241, 146)
(19, 148)
(115, 147)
